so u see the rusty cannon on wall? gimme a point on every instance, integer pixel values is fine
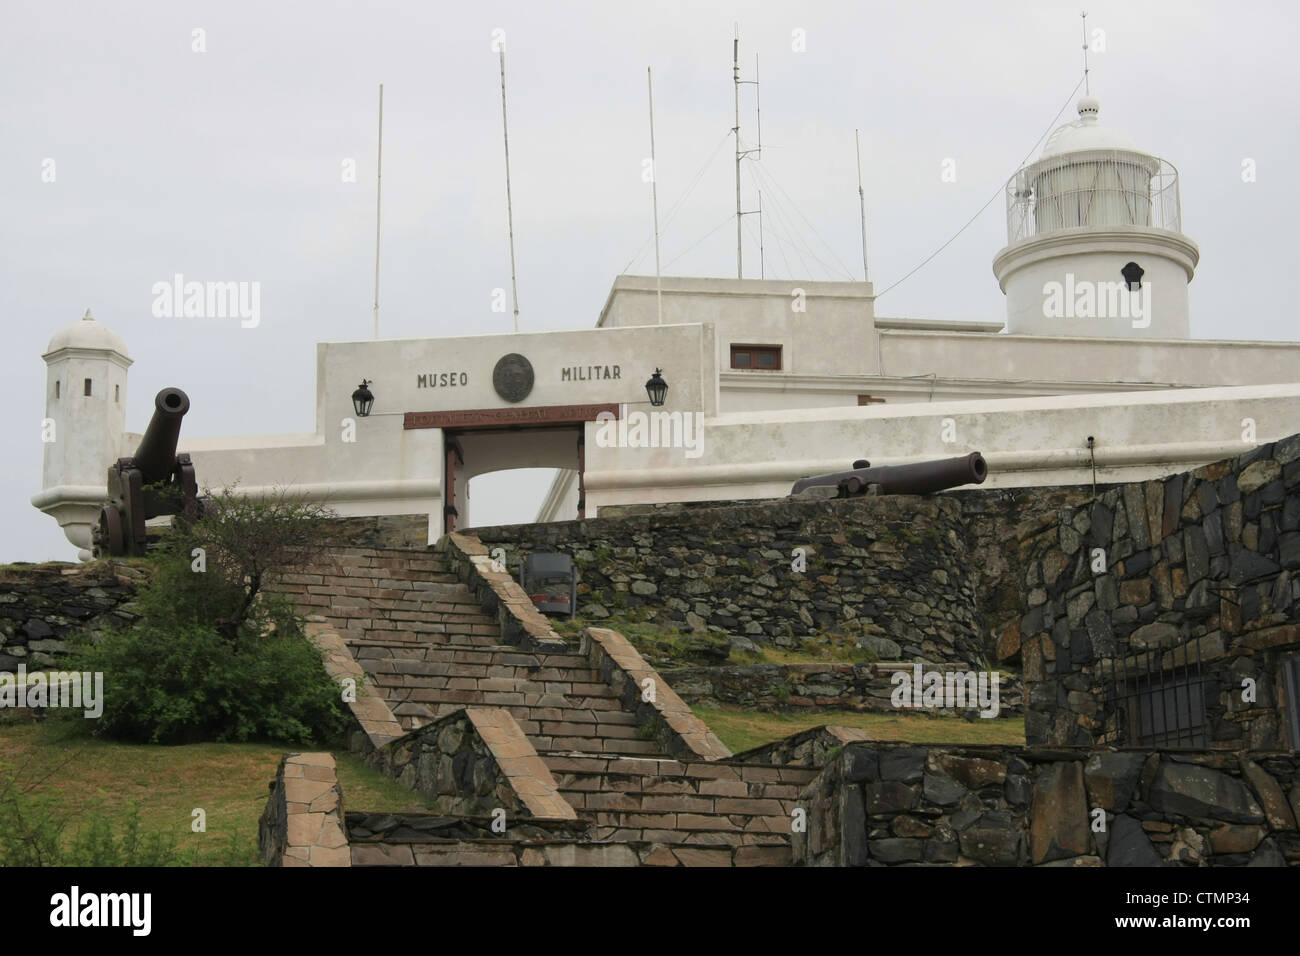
(154, 481)
(921, 478)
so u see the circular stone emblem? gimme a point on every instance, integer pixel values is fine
(513, 377)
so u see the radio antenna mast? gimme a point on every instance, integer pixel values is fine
(379, 184)
(742, 153)
(510, 215)
(1087, 88)
(862, 204)
(654, 197)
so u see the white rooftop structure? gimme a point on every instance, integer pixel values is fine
(1093, 375)
(1094, 238)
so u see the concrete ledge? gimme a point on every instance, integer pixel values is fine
(302, 824)
(680, 731)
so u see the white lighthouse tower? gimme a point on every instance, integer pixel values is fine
(1094, 239)
(85, 420)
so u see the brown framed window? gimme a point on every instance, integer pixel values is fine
(765, 358)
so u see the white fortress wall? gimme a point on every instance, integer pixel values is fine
(1038, 441)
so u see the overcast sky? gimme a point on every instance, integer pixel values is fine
(227, 165)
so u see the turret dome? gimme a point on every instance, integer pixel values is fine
(87, 334)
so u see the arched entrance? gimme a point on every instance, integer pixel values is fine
(480, 441)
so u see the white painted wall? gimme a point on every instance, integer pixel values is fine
(1096, 256)
(1027, 401)
(86, 432)
(1038, 441)
(388, 469)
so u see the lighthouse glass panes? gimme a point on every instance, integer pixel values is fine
(1092, 189)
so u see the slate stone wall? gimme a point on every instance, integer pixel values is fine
(890, 804)
(384, 531)
(911, 578)
(1193, 577)
(810, 687)
(41, 605)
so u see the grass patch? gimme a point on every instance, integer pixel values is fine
(744, 729)
(663, 646)
(228, 781)
(831, 647)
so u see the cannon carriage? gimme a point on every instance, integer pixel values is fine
(154, 481)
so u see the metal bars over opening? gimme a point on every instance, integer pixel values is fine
(1156, 697)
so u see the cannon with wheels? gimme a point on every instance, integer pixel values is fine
(921, 478)
(154, 481)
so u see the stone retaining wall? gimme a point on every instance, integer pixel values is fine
(891, 804)
(383, 531)
(302, 824)
(1195, 576)
(893, 571)
(41, 605)
(796, 687)
(474, 762)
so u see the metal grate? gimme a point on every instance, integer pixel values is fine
(1157, 697)
(1291, 697)
(1097, 188)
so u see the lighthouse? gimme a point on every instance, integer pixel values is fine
(1095, 246)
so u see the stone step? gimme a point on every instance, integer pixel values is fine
(681, 803)
(563, 853)
(461, 677)
(415, 633)
(497, 655)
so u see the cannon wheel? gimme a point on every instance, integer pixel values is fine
(110, 530)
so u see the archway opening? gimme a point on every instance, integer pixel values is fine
(509, 496)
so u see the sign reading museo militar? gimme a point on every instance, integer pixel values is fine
(513, 376)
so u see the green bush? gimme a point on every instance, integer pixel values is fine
(214, 656)
(187, 683)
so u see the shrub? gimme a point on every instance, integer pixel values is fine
(215, 657)
(185, 684)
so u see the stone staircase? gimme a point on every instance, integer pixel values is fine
(429, 649)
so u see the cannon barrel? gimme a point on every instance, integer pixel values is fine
(156, 454)
(921, 478)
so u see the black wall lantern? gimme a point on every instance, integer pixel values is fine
(657, 389)
(1132, 274)
(362, 399)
